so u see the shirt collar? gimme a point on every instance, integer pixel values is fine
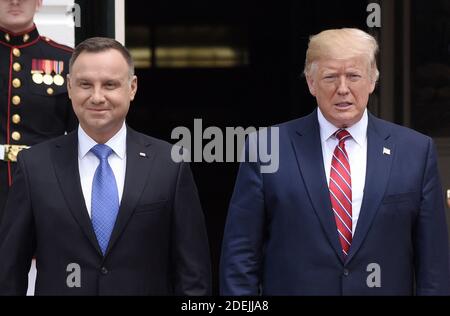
(357, 130)
(18, 39)
(117, 143)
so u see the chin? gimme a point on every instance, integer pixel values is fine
(344, 121)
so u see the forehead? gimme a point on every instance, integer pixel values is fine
(106, 63)
(336, 64)
(23, 2)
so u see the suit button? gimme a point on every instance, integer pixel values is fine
(16, 118)
(16, 136)
(50, 91)
(16, 83)
(346, 272)
(104, 271)
(15, 100)
(16, 52)
(17, 67)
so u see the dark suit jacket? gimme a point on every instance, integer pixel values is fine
(159, 243)
(281, 237)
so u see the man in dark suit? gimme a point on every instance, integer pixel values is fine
(356, 206)
(105, 209)
(34, 105)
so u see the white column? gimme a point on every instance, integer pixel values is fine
(120, 20)
(56, 20)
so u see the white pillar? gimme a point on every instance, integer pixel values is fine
(56, 20)
(120, 20)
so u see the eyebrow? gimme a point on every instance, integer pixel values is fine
(111, 80)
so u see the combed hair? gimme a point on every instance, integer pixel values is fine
(342, 44)
(101, 44)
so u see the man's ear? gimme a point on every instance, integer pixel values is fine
(311, 81)
(39, 4)
(68, 84)
(133, 87)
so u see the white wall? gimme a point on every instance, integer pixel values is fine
(120, 20)
(56, 21)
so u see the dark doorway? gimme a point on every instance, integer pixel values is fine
(262, 86)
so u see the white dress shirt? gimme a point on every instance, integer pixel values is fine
(88, 162)
(356, 148)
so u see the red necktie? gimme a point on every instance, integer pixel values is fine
(341, 191)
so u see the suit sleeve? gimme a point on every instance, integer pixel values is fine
(242, 247)
(190, 247)
(430, 237)
(17, 238)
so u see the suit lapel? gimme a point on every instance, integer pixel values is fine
(66, 169)
(139, 162)
(377, 176)
(308, 150)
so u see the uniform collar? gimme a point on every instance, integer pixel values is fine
(18, 39)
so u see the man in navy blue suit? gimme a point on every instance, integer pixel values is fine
(356, 206)
(105, 209)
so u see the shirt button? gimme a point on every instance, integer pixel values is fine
(104, 271)
(346, 272)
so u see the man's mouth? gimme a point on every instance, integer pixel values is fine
(99, 110)
(343, 104)
(15, 12)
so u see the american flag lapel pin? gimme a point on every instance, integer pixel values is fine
(143, 155)
(386, 151)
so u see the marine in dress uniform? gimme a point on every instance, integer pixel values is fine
(34, 105)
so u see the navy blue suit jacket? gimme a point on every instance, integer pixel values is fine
(281, 237)
(159, 244)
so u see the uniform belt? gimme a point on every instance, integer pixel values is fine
(10, 152)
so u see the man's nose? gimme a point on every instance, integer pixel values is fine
(97, 96)
(343, 86)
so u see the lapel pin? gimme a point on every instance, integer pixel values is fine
(143, 155)
(386, 151)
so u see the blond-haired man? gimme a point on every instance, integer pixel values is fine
(355, 207)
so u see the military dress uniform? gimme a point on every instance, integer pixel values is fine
(34, 105)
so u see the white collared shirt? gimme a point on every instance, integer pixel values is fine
(356, 148)
(88, 162)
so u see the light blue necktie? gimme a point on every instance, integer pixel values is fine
(105, 197)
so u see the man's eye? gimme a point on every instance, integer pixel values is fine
(85, 85)
(329, 78)
(354, 76)
(110, 85)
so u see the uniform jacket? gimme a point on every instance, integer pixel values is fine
(31, 111)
